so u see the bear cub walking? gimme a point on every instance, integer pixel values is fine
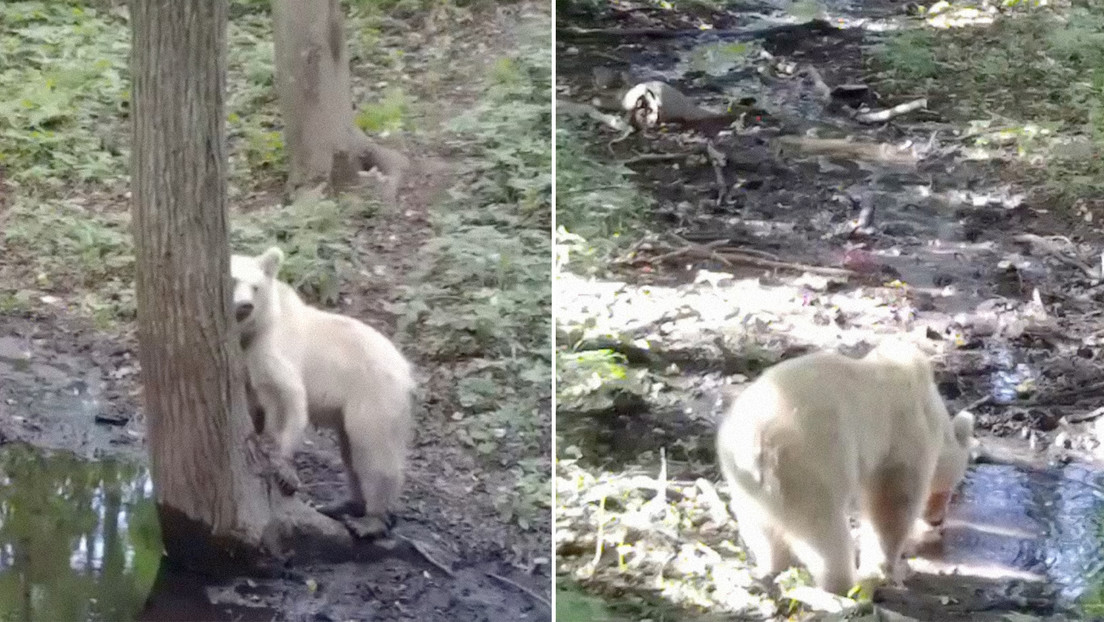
(817, 436)
(305, 364)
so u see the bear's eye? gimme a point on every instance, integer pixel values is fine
(255, 288)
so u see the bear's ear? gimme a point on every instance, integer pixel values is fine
(963, 427)
(270, 261)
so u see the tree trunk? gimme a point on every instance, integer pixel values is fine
(214, 505)
(324, 145)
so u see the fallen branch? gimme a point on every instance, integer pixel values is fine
(814, 26)
(657, 157)
(537, 597)
(713, 244)
(879, 116)
(1050, 248)
(785, 265)
(1058, 398)
(838, 147)
(697, 251)
(732, 257)
(1089, 416)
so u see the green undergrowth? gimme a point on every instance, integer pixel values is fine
(599, 209)
(481, 296)
(599, 213)
(97, 251)
(1032, 82)
(64, 155)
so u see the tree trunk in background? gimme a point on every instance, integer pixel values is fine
(323, 143)
(213, 506)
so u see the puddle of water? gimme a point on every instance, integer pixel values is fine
(79, 540)
(1033, 526)
(1008, 376)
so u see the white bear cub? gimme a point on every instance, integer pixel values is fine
(817, 436)
(308, 364)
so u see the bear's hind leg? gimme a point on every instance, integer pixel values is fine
(354, 505)
(771, 552)
(821, 538)
(892, 506)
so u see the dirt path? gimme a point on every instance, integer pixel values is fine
(67, 386)
(698, 313)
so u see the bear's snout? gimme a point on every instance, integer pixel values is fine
(243, 310)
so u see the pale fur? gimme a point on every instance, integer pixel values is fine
(818, 436)
(337, 372)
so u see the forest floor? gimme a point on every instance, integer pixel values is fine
(967, 222)
(456, 272)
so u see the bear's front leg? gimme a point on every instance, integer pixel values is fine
(892, 506)
(282, 397)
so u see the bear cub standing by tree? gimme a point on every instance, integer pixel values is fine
(817, 436)
(305, 364)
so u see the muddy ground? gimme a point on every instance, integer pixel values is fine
(65, 385)
(779, 265)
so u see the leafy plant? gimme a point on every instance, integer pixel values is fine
(1056, 63)
(597, 204)
(389, 114)
(591, 380)
(481, 296)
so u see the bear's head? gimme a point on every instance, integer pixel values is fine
(254, 287)
(954, 457)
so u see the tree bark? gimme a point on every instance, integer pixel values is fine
(215, 506)
(324, 145)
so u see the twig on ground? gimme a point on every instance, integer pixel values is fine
(982, 132)
(718, 160)
(1050, 248)
(1060, 397)
(731, 257)
(719, 242)
(979, 402)
(878, 116)
(420, 549)
(784, 265)
(537, 597)
(567, 192)
(658, 157)
(697, 251)
(628, 131)
(626, 257)
(1096, 413)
